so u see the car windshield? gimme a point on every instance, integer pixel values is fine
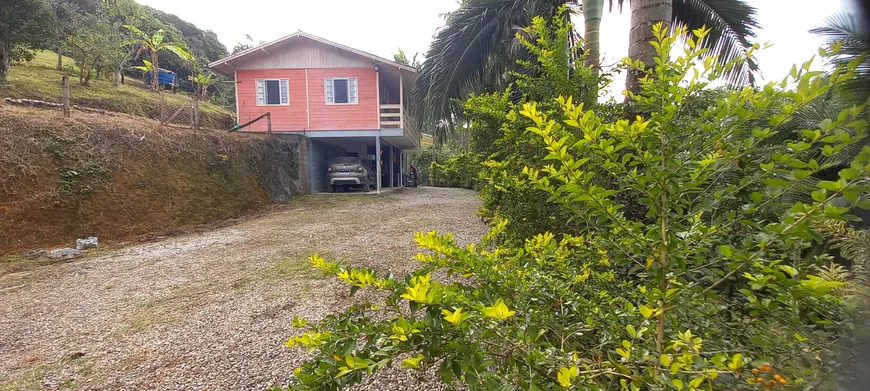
(347, 160)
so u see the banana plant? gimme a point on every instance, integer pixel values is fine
(152, 45)
(201, 83)
(147, 67)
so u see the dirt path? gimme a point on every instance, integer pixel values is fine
(208, 310)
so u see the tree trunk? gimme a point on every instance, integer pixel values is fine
(82, 67)
(117, 78)
(59, 57)
(154, 72)
(644, 14)
(87, 78)
(5, 61)
(592, 11)
(434, 160)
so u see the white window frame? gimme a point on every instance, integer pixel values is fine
(352, 82)
(282, 84)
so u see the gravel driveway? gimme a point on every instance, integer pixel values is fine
(211, 310)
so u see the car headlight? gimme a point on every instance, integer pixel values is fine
(329, 169)
(359, 169)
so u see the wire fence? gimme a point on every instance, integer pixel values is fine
(184, 114)
(178, 110)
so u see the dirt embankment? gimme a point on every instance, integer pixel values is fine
(118, 177)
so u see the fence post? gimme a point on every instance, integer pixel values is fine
(195, 112)
(269, 122)
(66, 108)
(162, 108)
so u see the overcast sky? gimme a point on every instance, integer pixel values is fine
(381, 26)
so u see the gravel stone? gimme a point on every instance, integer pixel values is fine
(86, 243)
(64, 253)
(211, 310)
(34, 254)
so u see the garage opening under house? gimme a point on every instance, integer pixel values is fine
(343, 101)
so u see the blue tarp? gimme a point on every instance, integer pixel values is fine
(164, 77)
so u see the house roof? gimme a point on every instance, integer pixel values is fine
(301, 34)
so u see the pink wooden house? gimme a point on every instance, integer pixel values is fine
(344, 101)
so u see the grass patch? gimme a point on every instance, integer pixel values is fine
(167, 308)
(39, 79)
(16, 271)
(276, 271)
(289, 267)
(36, 375)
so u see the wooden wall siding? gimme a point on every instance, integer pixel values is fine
(302, 53)
(361, 116)
(290, 117)
(294, 117)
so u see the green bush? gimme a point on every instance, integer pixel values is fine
(423, 160)
(458, 171)
(498, 136)
(706, 290)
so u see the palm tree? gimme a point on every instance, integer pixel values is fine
(154, 44)
(471, 46)
(731, 23)
(592, 12)
(851, 34)
(402, 58)
(644, 15)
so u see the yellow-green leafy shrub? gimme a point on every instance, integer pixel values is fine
(707, 290)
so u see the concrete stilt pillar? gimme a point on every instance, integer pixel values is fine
(392, 177)
(378, 161)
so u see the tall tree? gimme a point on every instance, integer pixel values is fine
(462, 55)
(95, 44)
(153, 45)
(402, 58)
(67, 13)
(731, 22)
(25, 25)
(644, 15)
(471, 47)
(592, 12)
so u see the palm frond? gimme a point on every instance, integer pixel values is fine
(810, 116)
(845, 27)
(459, 58)
(619, 4)
(851, 33)
(853, 246)
(732, 25)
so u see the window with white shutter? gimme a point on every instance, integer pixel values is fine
(351, 87)
(341, 91)
(273, 92)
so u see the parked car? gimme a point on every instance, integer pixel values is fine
(350, 172)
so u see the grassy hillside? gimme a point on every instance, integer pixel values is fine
(39, 79)
(118, 177)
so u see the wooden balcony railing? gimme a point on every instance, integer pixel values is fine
(391, 116)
